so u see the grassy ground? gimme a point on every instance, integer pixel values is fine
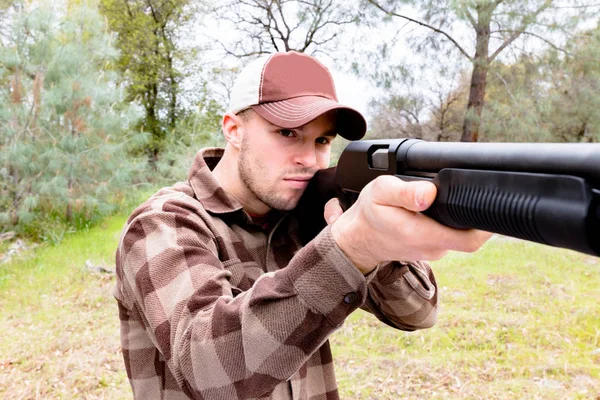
(59, 323)
(517, 321)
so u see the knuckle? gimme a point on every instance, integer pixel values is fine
(378, 184)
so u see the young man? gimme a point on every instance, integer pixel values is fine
(217, 297)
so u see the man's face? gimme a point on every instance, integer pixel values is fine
(276, 164)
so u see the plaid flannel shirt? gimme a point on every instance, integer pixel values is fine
(213, 307)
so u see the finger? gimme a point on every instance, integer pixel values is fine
(463, 240)
(415, 196)
(422, 231)
(333, 210)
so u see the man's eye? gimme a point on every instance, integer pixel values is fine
(323, 140)
(286, 132)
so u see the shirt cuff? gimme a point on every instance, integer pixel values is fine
(326, 280)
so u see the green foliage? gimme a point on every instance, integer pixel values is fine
(573, 113)
(479, 32)
(551, 98)
(195, 131)
(64, 131)
(151, 61)
(515, 102)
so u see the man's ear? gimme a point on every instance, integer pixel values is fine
(232, 129)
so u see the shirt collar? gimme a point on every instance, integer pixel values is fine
(206, 188)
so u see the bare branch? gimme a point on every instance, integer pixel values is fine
(555, 47)
(576, 7)
(512, 97)
(284, 38)
(266, 24)
(280, 8)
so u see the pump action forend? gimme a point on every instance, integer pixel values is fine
(546, 193)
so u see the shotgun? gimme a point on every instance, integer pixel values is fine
(547, 193)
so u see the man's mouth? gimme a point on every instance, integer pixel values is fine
(298, 182)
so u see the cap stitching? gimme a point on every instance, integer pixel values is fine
(296, 109)
(299, 116)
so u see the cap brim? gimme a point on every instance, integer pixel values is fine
(299, 111)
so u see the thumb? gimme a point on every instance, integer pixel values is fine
(333, 210)
(414, 195)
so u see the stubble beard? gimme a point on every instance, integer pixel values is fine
(251, 169)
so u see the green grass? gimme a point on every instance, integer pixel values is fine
(516, 321)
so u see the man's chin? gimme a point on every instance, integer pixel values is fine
(282, 204)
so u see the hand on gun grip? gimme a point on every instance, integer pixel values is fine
(385, 224)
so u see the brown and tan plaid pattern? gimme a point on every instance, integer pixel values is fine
(213, 307)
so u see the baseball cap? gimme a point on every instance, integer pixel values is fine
(291, 89)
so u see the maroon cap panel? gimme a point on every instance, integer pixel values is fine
(288, 75)
(299, 111)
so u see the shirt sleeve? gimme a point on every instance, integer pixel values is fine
(217, 345)
(403, 295)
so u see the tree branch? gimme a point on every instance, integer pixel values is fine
(555, 47)
(437, 30)
(284, 38)
(520, 31)
(575, 7)
(470, 17)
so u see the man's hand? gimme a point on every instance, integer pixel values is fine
(385, 224)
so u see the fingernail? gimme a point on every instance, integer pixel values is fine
(420, 195)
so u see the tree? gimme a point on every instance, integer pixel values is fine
(549, 97)
(516, 96)
(397, 117)
(493, 26)
(151, 60)
(266, 26)
(64, 131)
(432, 113)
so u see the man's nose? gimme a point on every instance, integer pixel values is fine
(306, 155)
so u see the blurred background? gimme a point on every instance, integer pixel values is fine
(102, 97)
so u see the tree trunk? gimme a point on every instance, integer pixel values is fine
(14, 216)
(478, 78)
(169, 48)
(475, 104)
(153, 126)
(69, 209)
(172, 94)
(581, 134)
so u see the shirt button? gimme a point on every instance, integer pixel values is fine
(350, 298)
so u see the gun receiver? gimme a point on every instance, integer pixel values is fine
(546, 193)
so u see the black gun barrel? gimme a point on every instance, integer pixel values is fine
(578, 159)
